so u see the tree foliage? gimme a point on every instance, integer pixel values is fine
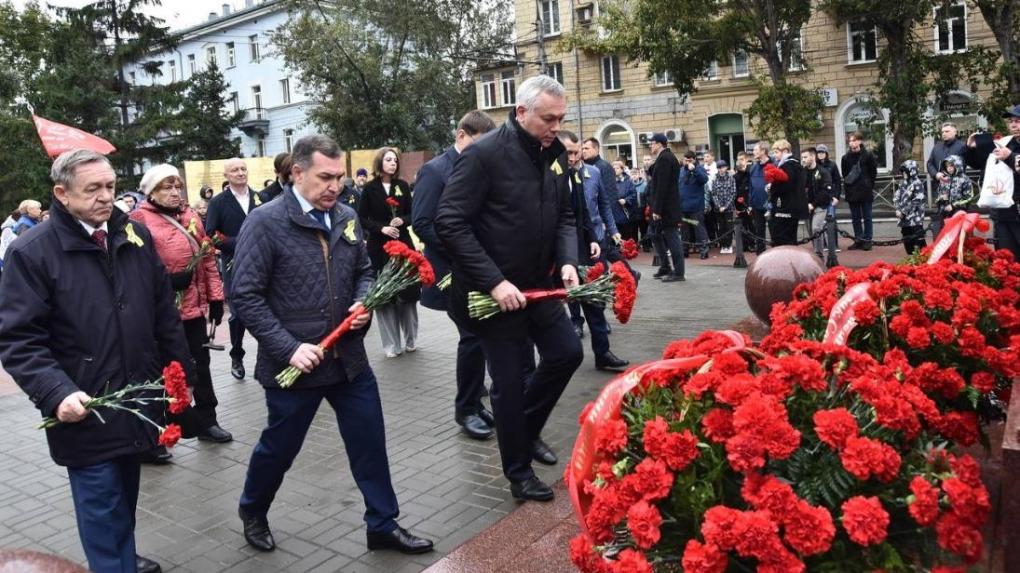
(203, 123)
(1003, 18)
(683, 37)
(387, 76)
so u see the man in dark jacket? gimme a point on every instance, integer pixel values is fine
(759, 196)
(664, 192)
(281, 166)
(948, 145)
(87, 309)
(505, 219)
(350, 195)
(470, 413)
(787, 195)
(608, 198)
(301, 267)
(859, 172)
(1007, 221)
(227, 212)
(821, 196)
(693, 178)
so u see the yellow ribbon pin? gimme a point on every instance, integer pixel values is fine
(132, 237)
(556, 167)
(577, 178)
(398, 193)
(258, 200)
(193, 227)
(349, 233)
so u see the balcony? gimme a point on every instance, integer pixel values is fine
(255, 122)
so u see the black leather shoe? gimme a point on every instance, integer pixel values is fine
(542, 453)
(610, 361)
(579, 330)
(144, 565)
(855, 246)
(673, 279)
(488, 417)
(475, 427)
(216, 434)
(704, 255)
(237, 369)
(866, 246)
(531, 489)
(663, 271)
(256, 531)
(158, 456)
(400, 540)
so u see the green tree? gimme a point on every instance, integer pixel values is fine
(1003, 18)
(202, 123)
(683, 37)
(386, 76)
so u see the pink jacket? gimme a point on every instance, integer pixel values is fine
(175, 251)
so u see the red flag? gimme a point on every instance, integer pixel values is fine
(58, 138)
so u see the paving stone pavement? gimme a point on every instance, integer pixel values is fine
(450, 487)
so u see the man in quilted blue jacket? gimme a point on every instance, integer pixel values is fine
(300, 268)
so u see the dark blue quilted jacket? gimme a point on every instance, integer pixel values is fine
(285, 295)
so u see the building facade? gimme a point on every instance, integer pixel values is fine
(618, 102)
(239, 41)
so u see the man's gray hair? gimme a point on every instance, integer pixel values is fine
(62, 171)
(764, 145)
(305, 148)
(534, 87)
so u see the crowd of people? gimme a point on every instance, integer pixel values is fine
(111, 288)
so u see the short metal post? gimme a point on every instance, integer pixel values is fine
(830, 232)
(739, 262)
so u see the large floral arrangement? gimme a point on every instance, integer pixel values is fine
(828, 448)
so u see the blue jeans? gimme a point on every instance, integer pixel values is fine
(860, 214)
(359, 415)
(105, 496)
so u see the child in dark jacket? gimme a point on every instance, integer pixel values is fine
(909, 200)
(724, 194)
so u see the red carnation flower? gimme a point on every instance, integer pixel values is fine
(866, 312)
(392, 202)
(961, 427)
(703, 558)
(925, 507)
(865, 520)
(678, 450)
(651, 479)
(720, 527)
(594, 272)
(176, 387)
(971, 504)
(629, 249)
(644, 521)
(717, 424)
(956, 536)
(584, 557)
(611, 437)
(983, 381)
(170, 435)
(809, 530)
(967, 469)
(864, 457)
(625, 292)
(835, 427)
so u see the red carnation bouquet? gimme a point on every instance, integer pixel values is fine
(134, 397)
(616, 288)
(394, 204)
(629, 249)
(405, 268)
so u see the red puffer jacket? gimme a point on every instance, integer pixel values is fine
(175, 251)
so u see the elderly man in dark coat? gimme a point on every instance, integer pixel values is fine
(664, 191)
(86, 308)
(505, 219)
(300, 268)
(470, 413)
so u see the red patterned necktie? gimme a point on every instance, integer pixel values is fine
(99, 238)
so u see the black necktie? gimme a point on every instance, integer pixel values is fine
(320, 216)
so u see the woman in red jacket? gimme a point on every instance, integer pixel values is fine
(178, 234)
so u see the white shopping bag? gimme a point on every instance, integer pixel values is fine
(997, 188)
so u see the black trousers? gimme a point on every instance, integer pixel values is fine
(203, 413)
(522, 404)
(628, 230)
(758, 216)
(234, 322)
(783, 230)
(470, 374)
(913, 238)
(1007, 236)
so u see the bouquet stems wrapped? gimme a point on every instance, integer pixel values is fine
(616, 287)
(405, 268)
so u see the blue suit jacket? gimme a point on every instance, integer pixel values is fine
(428, 189)
(595, 197)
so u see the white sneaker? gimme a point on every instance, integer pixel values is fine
(410, 348)
(726, 251)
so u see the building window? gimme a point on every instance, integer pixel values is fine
(550, 17)
(796, 60)
(231, 55)
(488, 90)
(711, 72)
(253, 43)
(662, 79)
(192, 69)
(863, 41)
(260, 146)
(173, 71)
(210, 55)
(256, 101)
(285, 89)
(611, 74)
(235, 102)
(509, 88)
(862, 117)
(555, 71)
(741, 64)
(951, 28)
(288, 139)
